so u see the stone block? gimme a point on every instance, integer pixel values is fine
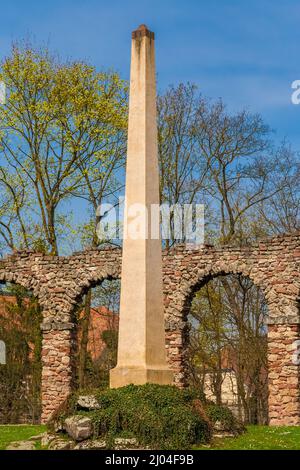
(78, 427)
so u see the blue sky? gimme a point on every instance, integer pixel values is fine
(244, 51)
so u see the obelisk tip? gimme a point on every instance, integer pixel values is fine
(142, 31)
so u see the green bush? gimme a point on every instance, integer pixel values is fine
(159, 416)
(223, 415)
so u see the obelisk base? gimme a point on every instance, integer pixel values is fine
(122, 376)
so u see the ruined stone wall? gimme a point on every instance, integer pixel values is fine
(59, 282)
(284, 374)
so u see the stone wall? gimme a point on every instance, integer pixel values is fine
(59, 282)
(284, 374)
(58, 354)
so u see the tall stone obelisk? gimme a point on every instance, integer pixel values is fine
(141, 349)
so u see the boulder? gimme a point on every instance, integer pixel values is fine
(91, 445)
(87, 402)
(79, 427)
(21, 445)
(47, 438)
(58, 425)
(61, 444)
(219, 426)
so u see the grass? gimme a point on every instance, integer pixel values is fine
(259, 438)
(256, 438)
(10, 433)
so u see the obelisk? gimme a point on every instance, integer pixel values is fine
(141, 347)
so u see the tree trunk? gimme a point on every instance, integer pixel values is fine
(84, 338)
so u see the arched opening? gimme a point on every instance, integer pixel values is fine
(21, 366)
(96, 316)
(227, 345)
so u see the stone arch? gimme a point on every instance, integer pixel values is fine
(28, 282)
(205, 277)
(57, 282)
(273, 266)
(90, 281)
(82, 271)
(177, 330)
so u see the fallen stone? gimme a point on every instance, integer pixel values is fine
(79, 427)
(224, 434)
(90, 444)
(21, 445)
(58, 425)
(219, 426)
(61, 444)
(124, 443)
(47, 438)
(88, 402)
(38, 437)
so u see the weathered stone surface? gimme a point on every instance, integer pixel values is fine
(126, 443)
(79, 427)
(47, 438)
(88, 402)
(96, 444)
(38, 437)
(21, 445)
(141, 348)
(219, 426)
(61, 444)
(223, 434)
(283, 379)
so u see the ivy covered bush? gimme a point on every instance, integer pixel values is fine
(158, 416)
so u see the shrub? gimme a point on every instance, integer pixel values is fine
(225, 418)
(159, 416)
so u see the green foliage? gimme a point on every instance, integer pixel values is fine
(227, 320)
(62, 136)
(93, 370)
(110, 337)
(96, 374)
(224, 416)
(256, 438)
(159, 416)
(12, 433)
(259, 438)
(97, 371)
(20, 377)
(40, 246)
